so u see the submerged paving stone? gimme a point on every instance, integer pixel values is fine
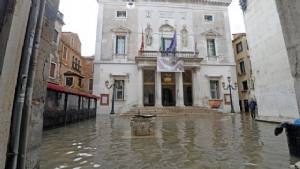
(204, 141)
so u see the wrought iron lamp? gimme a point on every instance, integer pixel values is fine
(230, 88)
(113, 96)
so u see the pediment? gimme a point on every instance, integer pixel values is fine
(121, 29)
(166, 28)
(210, 33)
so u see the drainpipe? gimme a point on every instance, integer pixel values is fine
(13, 146)
(23, 142)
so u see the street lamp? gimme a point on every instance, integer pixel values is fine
(230, 87)
(113, 96)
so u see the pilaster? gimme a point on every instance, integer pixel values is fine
(158, 101)
(179, 90)
(140, 87)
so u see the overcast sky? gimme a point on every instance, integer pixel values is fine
(80, 17)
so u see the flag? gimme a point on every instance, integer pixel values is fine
(196, 48)
(143, 43)
(173, 45)
(161, 46)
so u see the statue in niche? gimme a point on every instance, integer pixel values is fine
(184, 36)
(148, 33)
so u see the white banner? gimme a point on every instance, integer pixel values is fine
(170, 64)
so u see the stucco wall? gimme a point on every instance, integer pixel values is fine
(289, 17)
(126, 72)
(274, 90)
(211, 72)
(9, 73)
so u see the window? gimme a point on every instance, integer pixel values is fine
(52, 70)
(214, 89)
(166, 42)
(120, 45)
(75, 63)
(119, 85)
(239, 47)
(242, 67)
(91, 84)
(79, 82)
(121, 14)
(72, 42)
(65, 50)
(55, 35)
(211, 47)
(208, 18)
(69, 81)
(245, 85)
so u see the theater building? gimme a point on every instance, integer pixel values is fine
(164, 53)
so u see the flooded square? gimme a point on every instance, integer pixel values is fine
(206, 141)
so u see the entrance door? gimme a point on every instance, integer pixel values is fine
(188, 88)
(168, 89)
(168, 96)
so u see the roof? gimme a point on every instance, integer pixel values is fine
(62, 89)
(70, 73)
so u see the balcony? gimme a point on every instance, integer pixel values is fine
(163, 54)
(149, 58)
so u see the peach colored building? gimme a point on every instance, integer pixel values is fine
(75, 71)
(245, 79)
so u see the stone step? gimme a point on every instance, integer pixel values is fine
(168, 111)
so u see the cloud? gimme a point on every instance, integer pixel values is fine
(236, 18)
(80, 17)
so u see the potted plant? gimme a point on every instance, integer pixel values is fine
(215, 103)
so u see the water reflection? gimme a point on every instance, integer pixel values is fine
(206, 141)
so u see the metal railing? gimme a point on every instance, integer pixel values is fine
(182, 54)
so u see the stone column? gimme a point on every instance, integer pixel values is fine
(179, 90)
(158, 102)
(196, 87)
(140, 87)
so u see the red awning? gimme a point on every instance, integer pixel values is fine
(63, 89)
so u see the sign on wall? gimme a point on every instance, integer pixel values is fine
(104, 99)
(170, 64)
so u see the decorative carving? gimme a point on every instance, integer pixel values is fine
(121, 29)
(166, 27)
(211, 33)
(148, 32)
(184, 36)
(244, 4)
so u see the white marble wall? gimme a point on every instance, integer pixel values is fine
(274, 88)
(157, 14)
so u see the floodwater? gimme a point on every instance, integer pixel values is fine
(208, 141)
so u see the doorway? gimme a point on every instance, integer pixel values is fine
(168, 89)
(168, 96)
(188, 88)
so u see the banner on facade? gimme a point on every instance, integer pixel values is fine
(170, 64)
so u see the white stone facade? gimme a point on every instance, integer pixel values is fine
(157, 20)
(274, 84)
